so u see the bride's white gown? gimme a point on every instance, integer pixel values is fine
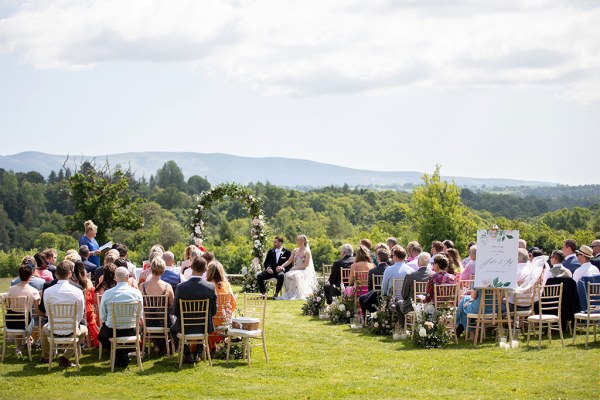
(299, 283)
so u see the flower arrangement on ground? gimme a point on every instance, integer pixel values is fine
(342, 310)
(314, 301)
(381, 321)
(430, 329)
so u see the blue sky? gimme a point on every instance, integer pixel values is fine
(506, 89)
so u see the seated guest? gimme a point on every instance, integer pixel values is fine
(361, 264)
(455, 265)
(42, 267)
(194, 289)
(170, 275)
(209, 257)
(367, 243)
(108, 279)
(124, 254)
(391, 242)
(470, 265)
(34, 281)
(121, 293)
(527, 277)
(23, 289)
(405, 304)
(216, 275)
(81, 279)
(111, 256)
(155, 251)
(90, 267)
(415, 251)
(557, 270)
(187, 262)
(157, 287)
(437, 247)
(63, 293)
(584, 255)
(398, 270)
(440, 277)
(467, 258)
(571, 262)
(332, 288)
(595, 245)
(383, 256)
(50, 256)
(468, 305)
(448, 244)
(120, 262)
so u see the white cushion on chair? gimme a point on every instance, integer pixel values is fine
(15, 331)
(583, 315)
(192, 336)
(545, 317)
(243, 333)
(155, 329)
(125, 339)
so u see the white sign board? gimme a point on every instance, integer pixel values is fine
(497, 259)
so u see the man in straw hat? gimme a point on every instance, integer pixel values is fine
(584, 255)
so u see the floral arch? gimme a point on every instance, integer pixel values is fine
(257, 234)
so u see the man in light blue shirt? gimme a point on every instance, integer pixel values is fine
(122, 293)
(398, 270)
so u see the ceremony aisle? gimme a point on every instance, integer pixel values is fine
(310, 358)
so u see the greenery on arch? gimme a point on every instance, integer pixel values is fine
(252, 202)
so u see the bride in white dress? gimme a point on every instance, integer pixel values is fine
(301, 279)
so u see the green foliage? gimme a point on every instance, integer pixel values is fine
(170, 175)
(438, 213)
(105, 197)
(10, 261)
(197, 184)
(57, 241)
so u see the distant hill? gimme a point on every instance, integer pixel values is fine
(218, 168)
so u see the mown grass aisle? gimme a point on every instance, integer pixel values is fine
(313, 359)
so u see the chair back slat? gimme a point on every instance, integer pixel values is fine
(126, 315)
(326, 271)
(397, 287)
(194, 313)
(361, 282)
(224, 311)
(345, 276)
(444, 296)
(593, 297)
(19, 308)
(377, 282)
(155, 310)
(63, 317)
(551, 300)
(420, 289)
(255, 306)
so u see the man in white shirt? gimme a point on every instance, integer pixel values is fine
(122, 293)
(398, 270)
(584, 255)
(63, 293)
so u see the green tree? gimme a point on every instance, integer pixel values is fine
(170, 175)
(197, 184)
(104, 196)
(438, 213)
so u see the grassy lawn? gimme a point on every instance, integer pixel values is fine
(313, 359)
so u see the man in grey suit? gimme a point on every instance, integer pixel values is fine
(405, 305)
(194, 289)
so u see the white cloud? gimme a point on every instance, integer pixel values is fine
(322, 47)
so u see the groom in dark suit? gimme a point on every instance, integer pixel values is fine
(275, 258)
(194, 289)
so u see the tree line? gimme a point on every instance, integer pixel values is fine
(38, 212)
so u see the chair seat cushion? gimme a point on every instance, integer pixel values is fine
(60, 340)
(545, 317)
(155, 329)
(583, 315)
(15, 331)
(243, 333)
(192, 336)
(126, 339)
